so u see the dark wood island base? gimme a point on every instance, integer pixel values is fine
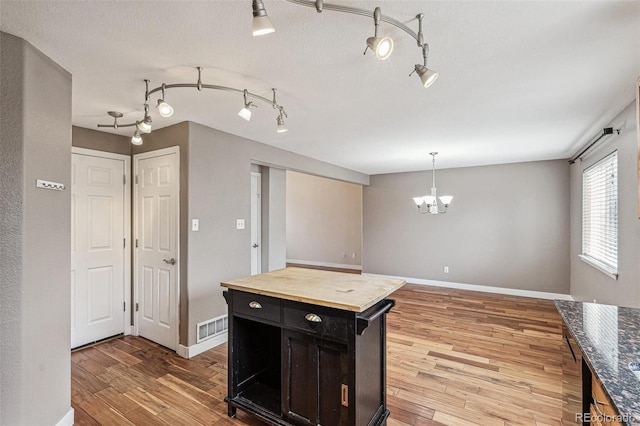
(297, 363)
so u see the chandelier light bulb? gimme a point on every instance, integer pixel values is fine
(164, 108)
(446, 199)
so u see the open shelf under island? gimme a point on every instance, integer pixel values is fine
(307, 347)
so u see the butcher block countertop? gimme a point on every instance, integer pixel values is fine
(338, 290)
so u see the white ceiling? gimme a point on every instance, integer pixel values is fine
(519, 80)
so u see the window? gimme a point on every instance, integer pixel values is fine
(600, 215)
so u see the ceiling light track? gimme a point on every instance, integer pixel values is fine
(165, 110)
(320, 6)
(381, 46)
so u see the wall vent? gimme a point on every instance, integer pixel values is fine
(211, 328)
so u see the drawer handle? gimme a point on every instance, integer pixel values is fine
(255, 305)
(345, 395)
(312, 318)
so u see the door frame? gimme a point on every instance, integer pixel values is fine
(126, 211)
(258, 223)
(136, 158)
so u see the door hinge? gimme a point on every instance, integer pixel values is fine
(136, 306)
(124, 306)
(345, 395)
(124, 179)
(136, 179)
(124, 241)
(136, 243)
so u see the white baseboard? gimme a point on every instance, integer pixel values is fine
(198, 348)
(68, 418)
(483, 288)
(325, 264)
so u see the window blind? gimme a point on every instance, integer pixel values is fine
(600, 214)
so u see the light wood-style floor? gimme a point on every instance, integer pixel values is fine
(454, 358)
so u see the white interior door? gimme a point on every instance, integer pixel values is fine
(156, 252)
(98, 248)
(256, 219)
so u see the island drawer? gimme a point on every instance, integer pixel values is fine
(319, 320)
(256, 305)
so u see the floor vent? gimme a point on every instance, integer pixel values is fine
(213, 327)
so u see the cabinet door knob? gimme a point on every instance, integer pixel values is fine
(312, 318)
(255, 305)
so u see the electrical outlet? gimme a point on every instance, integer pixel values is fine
(195, 224)
(446, 269)
(353, 255)
(239, 223)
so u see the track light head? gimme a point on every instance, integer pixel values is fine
(381, 46)
(427, 76)
(245, 112)
(164, 108)
(145, 125)
(281, 128)
(136, 139)
(261, 23)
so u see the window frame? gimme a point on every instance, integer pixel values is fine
(601, 263)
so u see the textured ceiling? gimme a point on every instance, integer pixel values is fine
(519, 80)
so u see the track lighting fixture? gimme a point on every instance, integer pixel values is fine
(245, 112)
(145, 125)
(165, 110)
(136, 139)
(261, 23)
(381, 46)
(281, 128)
(427, 76)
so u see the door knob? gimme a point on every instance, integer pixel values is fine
(171, 261)
(255, 245)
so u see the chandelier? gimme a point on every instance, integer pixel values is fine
(429, 203)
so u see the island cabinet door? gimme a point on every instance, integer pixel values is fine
(314, 380)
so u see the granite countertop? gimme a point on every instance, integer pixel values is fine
(351, 292)
(609, 337)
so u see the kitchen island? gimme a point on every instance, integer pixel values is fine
(307, 347)
(602, 352)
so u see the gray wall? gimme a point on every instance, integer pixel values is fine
(508, 226)
(220, 167)
(100, 141)
(274, 219)
(324, 220)
(588, 283)
(35, 292)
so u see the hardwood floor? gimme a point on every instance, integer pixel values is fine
(454, 358)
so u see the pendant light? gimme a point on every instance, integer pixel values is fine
(429, 203)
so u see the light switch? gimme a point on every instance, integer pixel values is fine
(239, 223)
(195, 224)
